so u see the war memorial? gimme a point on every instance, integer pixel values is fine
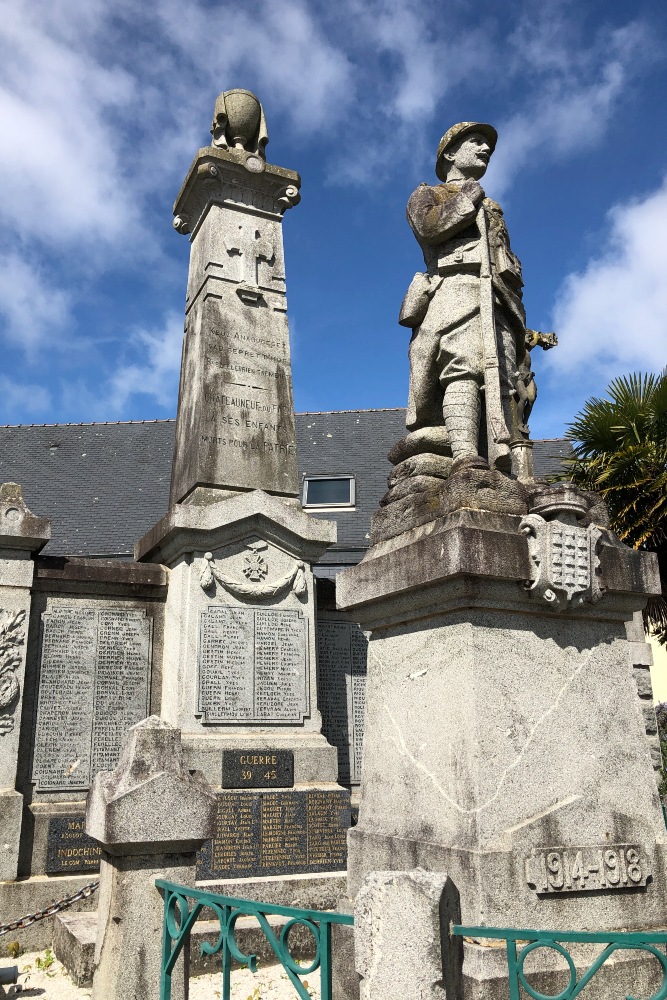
(192, 716)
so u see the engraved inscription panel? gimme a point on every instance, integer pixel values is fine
(554, 870)
(93, 685)
(275, 833)
(341, 692)
(69, 848)
(257, 768)
(253, 665)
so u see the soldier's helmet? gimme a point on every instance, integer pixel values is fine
(457, 132)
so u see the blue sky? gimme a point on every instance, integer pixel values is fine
(104, 104)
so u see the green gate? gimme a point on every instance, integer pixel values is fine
(182, 906)
(531, 940)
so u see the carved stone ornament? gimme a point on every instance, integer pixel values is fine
(255, 569)
(239, 122)
(12, 637)
(563, 554)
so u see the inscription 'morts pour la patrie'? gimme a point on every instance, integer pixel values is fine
(253, 665)
(257, 768)
(277, 833)
(341, 692)
(93, 685)
(69, 848)
(555, 870)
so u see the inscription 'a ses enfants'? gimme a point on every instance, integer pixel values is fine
(554, 870)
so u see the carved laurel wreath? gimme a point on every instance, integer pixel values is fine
(12, 637)
(296, 579)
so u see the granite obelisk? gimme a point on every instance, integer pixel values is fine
(235, 427)
(239, 671)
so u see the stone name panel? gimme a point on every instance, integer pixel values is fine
(277, 833)
(557, 870)
(69, 848)
(252, 665)
(342, 649)
(257, 768)
(94, 683)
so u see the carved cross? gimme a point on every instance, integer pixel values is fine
(250, 244)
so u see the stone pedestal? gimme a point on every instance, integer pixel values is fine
(22, 535)
(235, 427)
(150, 816)
(504, 741)
(239, 675)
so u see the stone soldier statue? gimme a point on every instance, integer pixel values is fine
(469, 353)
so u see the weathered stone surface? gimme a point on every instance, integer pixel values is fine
(129, 926)
(151, 799)
(150, 816)
(74, 945)
(418, 499)
(19, 528)
(21, 535)
(188, 527)
(490, 728)
(236, 565)
(394, 964)
(94, 684)
(426, 440)
(235, 425)
(437, 466)
(30, 894)
(11, 809)
(100, 571)
(341, 659)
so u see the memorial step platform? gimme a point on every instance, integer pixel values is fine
(74, 933)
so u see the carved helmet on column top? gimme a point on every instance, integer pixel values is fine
(457, 132)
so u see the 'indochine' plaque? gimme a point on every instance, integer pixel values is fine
(94, 684)
(277, 833)
(253, 665)
(69, 848)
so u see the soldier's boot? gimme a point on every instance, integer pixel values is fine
(461, 410)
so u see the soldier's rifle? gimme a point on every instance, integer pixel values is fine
(498, 438)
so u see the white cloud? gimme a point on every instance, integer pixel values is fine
(279, 48)
(156, 374)
(60, 159)
(574, 93)
(20, 399)
(611, 318)
(34, 309)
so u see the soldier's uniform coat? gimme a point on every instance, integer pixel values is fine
(447, 345)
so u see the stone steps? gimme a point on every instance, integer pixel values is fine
(74, 933)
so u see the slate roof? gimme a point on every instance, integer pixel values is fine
(105, 484)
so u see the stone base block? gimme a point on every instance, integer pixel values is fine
(401, 940)
(309, 892)
(11, 811)
(345, 979)
(493, 888)
(74, 945)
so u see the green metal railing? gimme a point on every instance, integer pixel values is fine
(180, 916)
(531, 940)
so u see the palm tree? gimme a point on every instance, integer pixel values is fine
(620, 450)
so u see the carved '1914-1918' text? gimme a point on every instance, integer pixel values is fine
(553, 870)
